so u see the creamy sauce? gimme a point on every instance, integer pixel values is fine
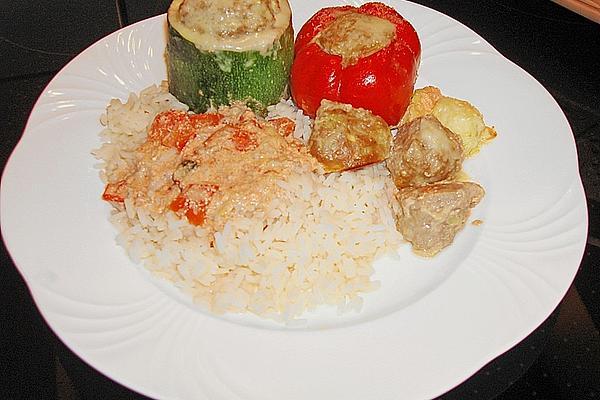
(233, 25)
(230, 169)
(354, 36)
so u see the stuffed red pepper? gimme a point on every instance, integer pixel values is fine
(365, 56)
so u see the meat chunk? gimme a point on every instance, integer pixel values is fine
(345, 137)
(424, 152)
(430, 216)
(460, 116)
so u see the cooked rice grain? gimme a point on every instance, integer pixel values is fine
(316, 245)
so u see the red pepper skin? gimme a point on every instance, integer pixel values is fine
(382, 82)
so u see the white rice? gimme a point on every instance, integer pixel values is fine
(316, 246)
(286, 108)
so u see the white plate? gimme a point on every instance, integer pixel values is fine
(432, 324)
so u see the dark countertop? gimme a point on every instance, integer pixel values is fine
(560, 360)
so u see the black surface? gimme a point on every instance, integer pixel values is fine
(41, 36)
(560, 360)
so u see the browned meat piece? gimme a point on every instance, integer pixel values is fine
(345, 137)
(424, 152)
(430, 216)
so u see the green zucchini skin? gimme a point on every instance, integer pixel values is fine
(205, 79)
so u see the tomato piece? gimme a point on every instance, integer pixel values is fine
(210, 119)
(179, 203)
(175, 128)
(244, 140)
(283, 125)
(193, 202)
(116, 192)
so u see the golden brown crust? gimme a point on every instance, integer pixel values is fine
(344, 137)
(353, 36)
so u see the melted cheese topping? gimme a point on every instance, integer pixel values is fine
(354, 36)
(233, 25)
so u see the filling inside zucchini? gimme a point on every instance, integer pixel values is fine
(232, 25)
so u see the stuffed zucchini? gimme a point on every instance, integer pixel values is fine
(222, 51)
